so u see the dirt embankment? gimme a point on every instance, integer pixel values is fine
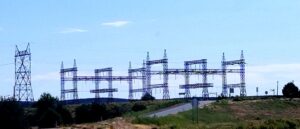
(116, 123)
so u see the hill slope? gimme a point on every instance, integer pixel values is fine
(272, 113)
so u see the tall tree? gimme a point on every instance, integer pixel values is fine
(290, 90)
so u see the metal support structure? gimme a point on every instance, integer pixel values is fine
(130, 96)
(75, 94)
(187, 80)
(146, 73)
(144, 81)
(98, 73)
(203, 72)
(22, 88)
(242, 75)
(62, 82)
(63, 75)
(205, 93)
(165, 86)
(166, 77)
(131, 76)
(224, 79)
(242, 84)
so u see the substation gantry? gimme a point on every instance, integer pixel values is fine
(145, 73)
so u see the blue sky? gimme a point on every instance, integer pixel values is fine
(103, 33)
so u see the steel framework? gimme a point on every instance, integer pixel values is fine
(242, 84)
(22, 88)
(165, 74)
(63, 76)
(145, 73)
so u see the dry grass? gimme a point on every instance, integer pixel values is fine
(116, 123)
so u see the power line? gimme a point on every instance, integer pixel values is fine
(6, 64)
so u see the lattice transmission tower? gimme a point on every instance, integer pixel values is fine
(22, 89)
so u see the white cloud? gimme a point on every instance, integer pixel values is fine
(72, 30)
(115, 23)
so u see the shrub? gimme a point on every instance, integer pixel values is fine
(238, 98)
(290, 90)
(50, 112)
(12, 115)
(65, 114)
(49, 119)
(46, 101)
(82, 114)
(147, 97)
(138, 107)
(114, 110)
(221, 97)
(98, 112)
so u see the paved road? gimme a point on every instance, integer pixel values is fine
(177, 108)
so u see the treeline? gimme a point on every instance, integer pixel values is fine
(48, 112)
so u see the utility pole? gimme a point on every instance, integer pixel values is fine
(256, 91)
(277, 88)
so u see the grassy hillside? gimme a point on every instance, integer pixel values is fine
(261, 114)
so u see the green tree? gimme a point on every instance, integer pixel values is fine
(147, 97)
(290, 90)
(46, 115)
(50, 112)
(12, 115)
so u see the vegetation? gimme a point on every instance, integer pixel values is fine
(98, 112)
(147, 97)
(290, 90)
(50, 112)
(12, 114)
(138, 107)
(254, 114)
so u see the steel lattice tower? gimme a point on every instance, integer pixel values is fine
(187, 80)
(166, 77)
(22, 89)
(75, 94)
(64, 74)
(224, 78)
(62, 82)
(205, 93)
(243, 83)
(130, 96)
(148, 75)
(144, 82)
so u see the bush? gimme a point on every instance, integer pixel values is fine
(146, 120)
(290, 90)
(221, 97)
(147, 97)
(138, 107)
(46, 101)
(238, 98)
(49, 119)
(65, 114)
(114, 110)
(12, 115)
(50, 112)
(278, 124)
(82, 114)
(98, 112)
